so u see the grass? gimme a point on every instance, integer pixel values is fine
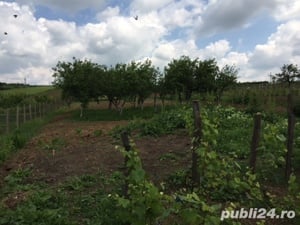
(87, 199)
(17, 138)
(113, 115)
(28, 90)
(79, 200)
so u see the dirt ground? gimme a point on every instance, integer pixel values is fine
(64, 148)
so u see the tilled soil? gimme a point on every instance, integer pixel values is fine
(64, 148)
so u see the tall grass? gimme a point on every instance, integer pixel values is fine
(27, 90)
(129, 113)
(17, 138)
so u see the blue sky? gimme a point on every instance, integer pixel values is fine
(256, 36)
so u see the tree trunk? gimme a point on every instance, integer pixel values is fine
(110, 104)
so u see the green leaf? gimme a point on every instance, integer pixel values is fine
(281, 138)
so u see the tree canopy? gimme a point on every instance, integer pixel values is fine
(185, 76)
(289, 74)
(83, 80)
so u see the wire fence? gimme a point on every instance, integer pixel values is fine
(13, 118)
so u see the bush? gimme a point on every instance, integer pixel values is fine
(163, 123)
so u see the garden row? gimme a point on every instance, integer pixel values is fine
(226, 181)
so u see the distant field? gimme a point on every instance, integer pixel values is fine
(28, 90)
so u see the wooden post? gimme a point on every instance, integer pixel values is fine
(255, 141)
(35, 111)
(126, 144)
(17, 117)
(290, 138)
(196, 142)
(7, 121)
(40, 109)
(24, 113)
(30, 112)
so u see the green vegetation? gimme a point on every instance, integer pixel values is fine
(225, 179)
(17, 139)
(226, 182)
(164, 123)
(30, 90)
(84, 81)
(28, 95)
(112, 115)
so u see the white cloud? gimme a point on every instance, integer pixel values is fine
(287, 9)
(166, 51)
(121, 39)
(217, 50)
(42, 43)
(33, 46)
(143, 6)
(282, 47)
(222, 15)
(181, 14)
(108, 12)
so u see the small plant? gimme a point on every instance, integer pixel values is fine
(168, 156)
(74, 184)
(18, 139)
(98, 133)
(178, 179)
(143, 203)
(78, 131)
(17, 177)
(54, 145)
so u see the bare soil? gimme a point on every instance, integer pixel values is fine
(87, 148)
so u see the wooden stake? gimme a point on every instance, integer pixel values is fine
(196, 142)
(290, 138)
(126, 144)
(255, 141)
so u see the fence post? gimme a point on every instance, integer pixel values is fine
(35, 111)
(290, 138)
(17, 117)
(126, 144)
(7, 121)
(30, 112)
(40, 110)
(24, 113)
(196, 142)
(255, 141)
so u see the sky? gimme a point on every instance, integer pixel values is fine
(256, 36)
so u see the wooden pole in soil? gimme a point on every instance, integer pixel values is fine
(255, 141)
(126, 144)
(7, 121)
(17, 117)
(35, 111)
(30, 112)
(290, 138)
(40, 109)
(196, 143)
(24, 113)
